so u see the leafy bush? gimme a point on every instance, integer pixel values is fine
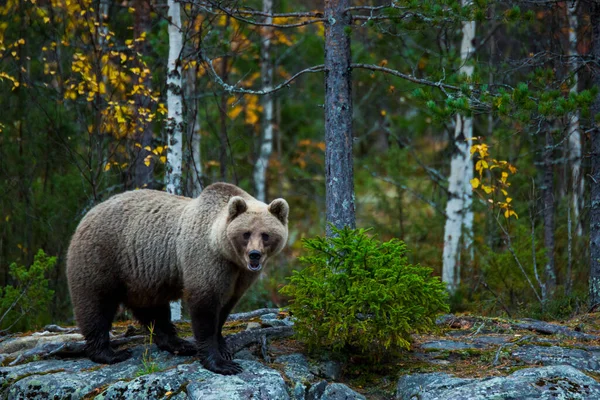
(359, 294)
(28, 296)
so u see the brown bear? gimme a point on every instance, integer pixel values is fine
(146, 248)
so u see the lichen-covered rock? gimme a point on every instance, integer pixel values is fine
(296, 367)
(553, 382)
(585, 359)
(451, 345)
(339, 391)
(255, 382)
(73, 379)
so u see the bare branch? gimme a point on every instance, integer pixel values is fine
(207, 63)
(238, 15)
(407, 77)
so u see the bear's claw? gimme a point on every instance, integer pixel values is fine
(221, 366)
(108, 356)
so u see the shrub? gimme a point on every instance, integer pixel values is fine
(359, 294)
(24, 303)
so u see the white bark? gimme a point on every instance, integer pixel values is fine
(174, 100)
(266, 148)
(175, 114)
(574, 131)
(459, 214)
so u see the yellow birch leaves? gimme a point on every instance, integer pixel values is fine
(492, 183)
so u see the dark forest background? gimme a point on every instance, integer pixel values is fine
(83, 111)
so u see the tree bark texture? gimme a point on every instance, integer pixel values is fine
(266, 72)
(174, 100)
(174, 114)
(574, 132)
(548, 201)
(595, 181)
(194, 160)
(339, 171)
(459, 213)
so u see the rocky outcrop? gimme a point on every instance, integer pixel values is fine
(554, 382)
(480, 359)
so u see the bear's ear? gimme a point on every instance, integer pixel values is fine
(280, 209)
(235, 207)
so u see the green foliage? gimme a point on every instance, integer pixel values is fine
(28, 296)
(149, 366)
(360, 294)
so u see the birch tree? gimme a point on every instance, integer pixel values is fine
(266, 72)
(174, 125)
(573, 130)
(459, 214)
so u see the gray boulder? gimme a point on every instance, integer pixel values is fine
(585, 359)
(553, 382)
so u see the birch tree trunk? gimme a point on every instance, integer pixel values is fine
(459, 215)
(339, 171)
(548, 201)
(175, 113)
(574, 131)
(595, 181)
(266, 71)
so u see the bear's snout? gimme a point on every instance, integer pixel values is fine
(254, 256)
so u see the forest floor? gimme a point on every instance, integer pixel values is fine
(467, 350)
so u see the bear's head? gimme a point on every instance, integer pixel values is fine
(256, 231)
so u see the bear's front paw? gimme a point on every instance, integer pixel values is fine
(221, 366)
(224, 350)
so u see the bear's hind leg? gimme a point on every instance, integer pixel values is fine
(95, 321)
(165, 333)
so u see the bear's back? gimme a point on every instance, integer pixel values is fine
(129, 239)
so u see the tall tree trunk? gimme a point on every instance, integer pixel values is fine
(339, 171)
(459, 214)
(266, 71)
(175, 113)
(548, 200)
(194, 165)
(142, 173)
(595, 181)
(574, 131)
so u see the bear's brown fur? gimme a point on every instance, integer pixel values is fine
(146, 248)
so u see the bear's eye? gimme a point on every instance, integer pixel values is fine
(247, 235)
(265, 237)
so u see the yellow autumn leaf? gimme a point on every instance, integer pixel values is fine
(487, 189)
(123, 58)
(504, 177)
(107, 167)
(147, 160)
(508, 199)
(148, 148)
(163, 159)
(475, 183)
